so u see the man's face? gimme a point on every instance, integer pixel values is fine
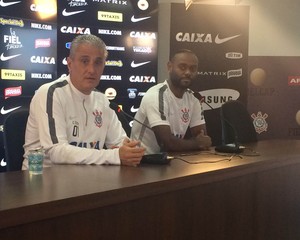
(183, 70)
(86, 67)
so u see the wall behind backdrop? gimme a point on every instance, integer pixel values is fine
(273, 78)
(35, 38)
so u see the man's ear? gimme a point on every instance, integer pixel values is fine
(69, 63)
(169, 66)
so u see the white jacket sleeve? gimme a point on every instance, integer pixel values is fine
(62, 152)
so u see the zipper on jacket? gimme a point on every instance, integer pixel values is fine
(86, 114)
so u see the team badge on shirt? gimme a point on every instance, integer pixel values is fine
(185, 115)
(98, 118)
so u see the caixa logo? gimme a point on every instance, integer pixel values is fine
(143, 35)
(149, 79)
(42, 60)
(75, 30)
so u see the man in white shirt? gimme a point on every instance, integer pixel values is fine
(72, 121)
(170, 108)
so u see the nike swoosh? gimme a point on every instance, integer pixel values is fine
(133, 109)
(6, 4)
(4, 111)
(3, 58)
(222, 40)
(3, 163)
(134, 65)
(64, 62)
(133, 19)
(66, 14)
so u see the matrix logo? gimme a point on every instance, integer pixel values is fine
(118, 2)
(110, 16)
(11, 74)
(229, 74)
(77, 3)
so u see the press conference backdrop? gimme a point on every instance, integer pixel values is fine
(268, 85)
(273, 96)
(36, 37)
(219, 36)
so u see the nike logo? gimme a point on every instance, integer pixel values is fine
(4, 58)
(133, 19)
(133, 109)
(134, 65)
(222, 40)
(64, 61)
(4, 111)
(6, 4)
(66, 14)
(3, 163)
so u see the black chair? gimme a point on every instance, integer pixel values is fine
(14, 138)
(237, 124)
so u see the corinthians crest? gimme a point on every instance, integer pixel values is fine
(185, 115)
(98, 118)
(259, 122)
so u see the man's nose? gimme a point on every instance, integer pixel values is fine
(91, 67)
(188, 72)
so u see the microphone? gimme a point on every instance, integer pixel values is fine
(229, 147)
(224, 147)
(114, 106)
(202, 99)
(157, 158)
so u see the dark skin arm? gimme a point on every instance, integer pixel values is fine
(168, 142)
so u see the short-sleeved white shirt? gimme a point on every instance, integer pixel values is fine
(160, 106)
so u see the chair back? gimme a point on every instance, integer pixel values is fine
(237, 124)
(14, 138)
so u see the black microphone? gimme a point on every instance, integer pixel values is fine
(157, 158)
(224, 147)
(202, 99)
(229, 147)
(114, 106)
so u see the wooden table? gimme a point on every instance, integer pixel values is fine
(253, 197)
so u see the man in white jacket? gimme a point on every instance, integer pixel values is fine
(72, 121)
(170, 108)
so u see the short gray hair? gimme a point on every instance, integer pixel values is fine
(87, 39)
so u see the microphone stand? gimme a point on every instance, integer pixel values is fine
(157, 158)
(226, 148)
